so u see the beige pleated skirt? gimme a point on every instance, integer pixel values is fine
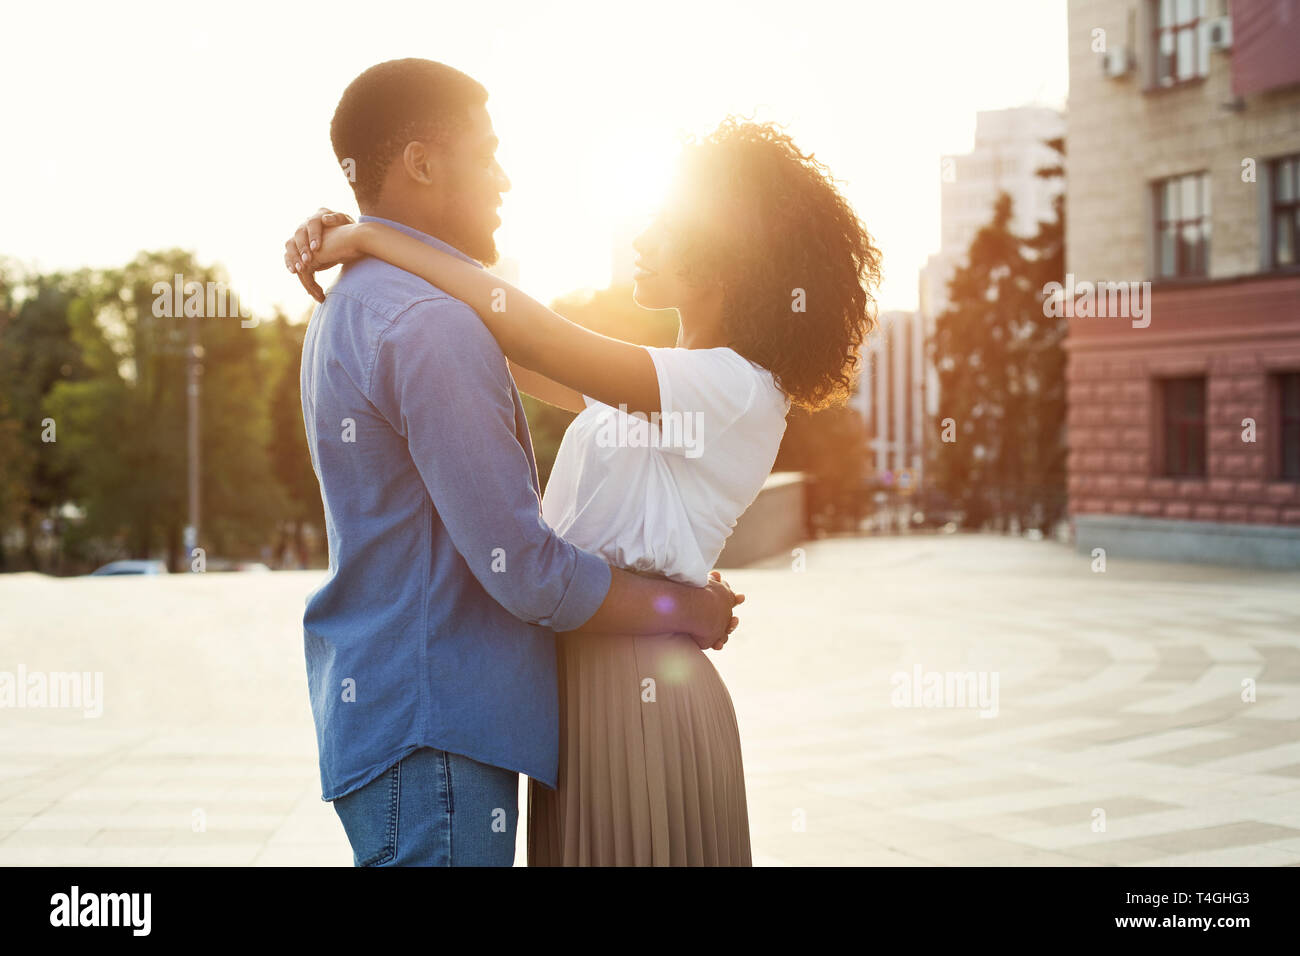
(650, 768)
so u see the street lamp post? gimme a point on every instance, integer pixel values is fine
(194, 371)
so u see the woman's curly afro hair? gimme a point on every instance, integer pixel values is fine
(796, 265)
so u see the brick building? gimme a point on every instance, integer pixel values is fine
(1183, 142)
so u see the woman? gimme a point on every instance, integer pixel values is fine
(769, 269)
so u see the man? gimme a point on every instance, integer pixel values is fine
(430, 647)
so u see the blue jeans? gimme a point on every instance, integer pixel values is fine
(433, 808)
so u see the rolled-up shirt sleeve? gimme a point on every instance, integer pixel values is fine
(440, 379)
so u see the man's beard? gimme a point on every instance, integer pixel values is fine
(484, 249)
(477, 240)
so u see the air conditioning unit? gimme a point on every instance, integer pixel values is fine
(1218, 31)
(1116, 62)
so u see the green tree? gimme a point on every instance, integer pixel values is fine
(1001, 363)
(830, 448)
(122, 429)
(14, 464)
(290, 457)
(1046, 449)
(15, 473)
(38, 349)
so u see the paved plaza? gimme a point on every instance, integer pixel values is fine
(1147, 714)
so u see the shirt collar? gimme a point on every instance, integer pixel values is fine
(423, 237)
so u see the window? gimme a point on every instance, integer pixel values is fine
(1180, 46)
(1184, 427)
(1284, 211)
(1183, 226)
(1288, 392)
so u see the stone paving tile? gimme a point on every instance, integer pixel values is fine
(1281, 664)
(243, 855)
(138, 836)
(1116, 853)
(295, 854)
(995, 787)
(30, 837)
(1232, 745)
(80, 856)
(1230, 856)
(1063, 814)
(974, 851)
(1220, 837)
(1275, 706)
(1034, 857)
(895, 831)
(1220, 684)
(226, 807)
(997, 823)
(1286, 846)
(1179, 664)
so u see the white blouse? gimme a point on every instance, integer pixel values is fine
(664, 494)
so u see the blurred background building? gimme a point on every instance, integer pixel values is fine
(1183, 146)
(890, 397)
(899, 394)
(1009, 146)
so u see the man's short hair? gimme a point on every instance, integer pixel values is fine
(392, 104)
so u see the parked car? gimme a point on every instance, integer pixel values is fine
(132, 567)
(934, 509)
(222, 564)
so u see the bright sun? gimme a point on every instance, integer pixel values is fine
(634, 175)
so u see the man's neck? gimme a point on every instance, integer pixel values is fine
(430, 226)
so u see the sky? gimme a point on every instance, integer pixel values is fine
(133, 126)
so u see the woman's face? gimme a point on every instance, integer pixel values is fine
(669, 272)
(657, 267)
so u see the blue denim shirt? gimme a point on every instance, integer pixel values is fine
(435, 625)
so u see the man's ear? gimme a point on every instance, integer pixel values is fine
(421, 163)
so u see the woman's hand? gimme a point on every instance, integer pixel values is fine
(715, 579)
(325, 240)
